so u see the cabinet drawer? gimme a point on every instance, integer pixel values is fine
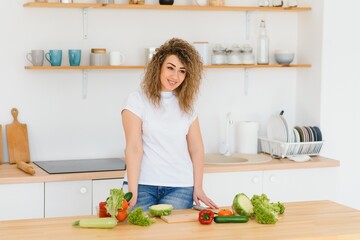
(72, 198)
(21, 201)
(222, 187)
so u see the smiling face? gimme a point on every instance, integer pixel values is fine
(172, 74)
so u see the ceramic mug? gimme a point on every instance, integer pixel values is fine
(36, 57)
(74, 57)
(54, 57)
(116, 58)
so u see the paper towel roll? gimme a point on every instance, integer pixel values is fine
(247, 137)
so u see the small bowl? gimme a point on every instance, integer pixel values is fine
(283, 57)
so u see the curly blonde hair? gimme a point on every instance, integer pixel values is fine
(189, 88)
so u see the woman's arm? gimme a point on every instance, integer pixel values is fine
(133, 151)
(196, 150)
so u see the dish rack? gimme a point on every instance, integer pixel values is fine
(285, 149)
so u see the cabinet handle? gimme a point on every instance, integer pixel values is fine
(255, 180)
(83, 190)
(272, 179)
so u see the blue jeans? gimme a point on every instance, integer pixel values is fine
(179, 197)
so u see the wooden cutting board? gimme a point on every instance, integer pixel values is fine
(181, 217)
(17, 140)
(1, 161)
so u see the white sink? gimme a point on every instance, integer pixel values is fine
(236, 158)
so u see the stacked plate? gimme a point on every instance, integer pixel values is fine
(279, 130)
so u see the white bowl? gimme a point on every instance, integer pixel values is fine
(283, 57)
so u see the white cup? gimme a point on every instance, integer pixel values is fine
(116, 58)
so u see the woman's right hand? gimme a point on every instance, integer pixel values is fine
(132, 201)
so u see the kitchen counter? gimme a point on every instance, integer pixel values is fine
(313, 220)
(9, 173)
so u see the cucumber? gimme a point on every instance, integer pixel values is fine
(231, 219)
(128, 196)
(96, 223)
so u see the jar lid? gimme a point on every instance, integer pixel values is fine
(235, 48)
(219, 49)
(247, 48)
(98, 50)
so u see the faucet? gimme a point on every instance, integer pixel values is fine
(229, 122)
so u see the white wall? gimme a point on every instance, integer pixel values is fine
(340, 114)
(63, 125)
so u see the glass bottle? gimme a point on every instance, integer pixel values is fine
(262, 45)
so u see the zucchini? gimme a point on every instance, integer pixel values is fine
(128, 196)
(96, 223)
(231, 219)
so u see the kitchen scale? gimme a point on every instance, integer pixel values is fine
(82, 165)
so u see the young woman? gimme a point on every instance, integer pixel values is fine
(164, 148)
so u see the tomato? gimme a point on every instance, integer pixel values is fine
(225, 212)
(122, 215)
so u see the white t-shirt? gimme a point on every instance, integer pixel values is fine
(166, 160)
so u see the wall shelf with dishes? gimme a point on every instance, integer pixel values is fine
(86, 6)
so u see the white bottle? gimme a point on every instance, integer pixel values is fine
(263, 45)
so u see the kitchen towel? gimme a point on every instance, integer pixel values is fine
(247, 137)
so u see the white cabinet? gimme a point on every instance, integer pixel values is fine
(222, 187)
(289, 185)
(72, 198)
(21, 201)
(300, 184)
(101, 190)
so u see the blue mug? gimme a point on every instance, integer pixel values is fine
(54, 57)
(74, 57)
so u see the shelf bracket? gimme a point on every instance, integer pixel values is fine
(246, 81)
(85, 23)
(247, 25)
(84, 83)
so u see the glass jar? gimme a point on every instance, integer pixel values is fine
(219, 55)
(234, 55)
(248, 55)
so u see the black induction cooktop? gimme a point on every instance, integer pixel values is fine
(82, 165)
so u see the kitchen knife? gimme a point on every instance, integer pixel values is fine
(199, 208)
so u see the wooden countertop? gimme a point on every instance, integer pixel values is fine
(9, 173)
(313, 220)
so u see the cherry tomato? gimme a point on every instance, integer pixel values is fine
(225, 212)
(122, 215)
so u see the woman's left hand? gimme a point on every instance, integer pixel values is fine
(199, 195)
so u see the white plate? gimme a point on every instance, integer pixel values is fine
(277, 129)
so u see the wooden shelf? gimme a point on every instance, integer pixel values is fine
(142, 67)
(165, 7)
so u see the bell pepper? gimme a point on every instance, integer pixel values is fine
(206, 216)
(102, 210)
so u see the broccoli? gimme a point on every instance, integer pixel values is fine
(137, 217)
(265, 211)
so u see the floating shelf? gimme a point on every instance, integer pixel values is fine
(142, 67)
(165, 7)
